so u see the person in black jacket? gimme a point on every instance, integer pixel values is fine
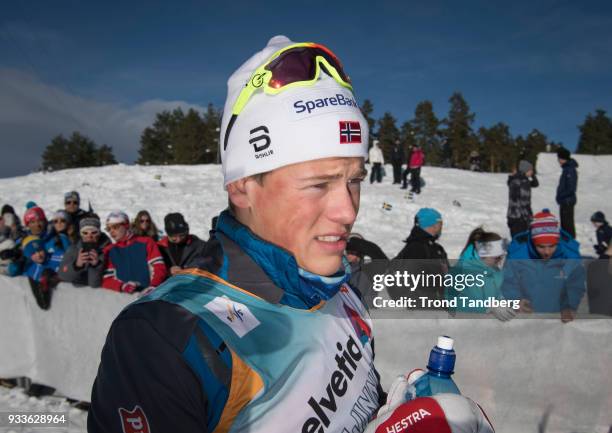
(179, 249)
(397, 158)
(566, 190)
(519, 197)
(72, 205)
(367, 259)
(422, 253)
(603, 233)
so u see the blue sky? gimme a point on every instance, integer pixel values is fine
(106, 68)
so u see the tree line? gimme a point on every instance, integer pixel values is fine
(179, 137)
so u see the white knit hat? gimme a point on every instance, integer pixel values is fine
(296, 125)
(117, 217)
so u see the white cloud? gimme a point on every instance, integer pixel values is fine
(32, 112)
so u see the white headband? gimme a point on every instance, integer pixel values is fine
(491, 248)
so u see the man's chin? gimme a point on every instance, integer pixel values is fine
(324, 266)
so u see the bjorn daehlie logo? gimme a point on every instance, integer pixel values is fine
(350, 132)
(234, 312)
(134, 421)
(260, 139)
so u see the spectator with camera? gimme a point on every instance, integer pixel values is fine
(83, 263)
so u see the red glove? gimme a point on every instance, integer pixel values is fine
(129, 287)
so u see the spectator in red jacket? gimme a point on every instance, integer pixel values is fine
(132, 263)
(416, 159)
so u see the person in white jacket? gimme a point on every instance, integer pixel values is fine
(377, 160)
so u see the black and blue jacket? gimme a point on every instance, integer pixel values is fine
(166, 362)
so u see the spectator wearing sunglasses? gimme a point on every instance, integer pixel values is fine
(179, 248)
(58, 241)
(83, 263)
(131, 263)
(483, 256)
(72, 203)
(143, 225)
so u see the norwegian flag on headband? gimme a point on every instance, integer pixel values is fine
(350, 132)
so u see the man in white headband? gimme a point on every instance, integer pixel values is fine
(270, 337)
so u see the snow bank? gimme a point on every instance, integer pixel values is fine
(515, 370)
(59, 347)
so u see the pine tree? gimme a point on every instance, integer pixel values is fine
(189, 140)
(535, 142)
(212, 125)
(497, 149)
(77, 151)
(407, 139)
(156, 142)
(460, 139)
(595, 134)
(425, 127)
(367, 108)
(387, 134)
(105, 156)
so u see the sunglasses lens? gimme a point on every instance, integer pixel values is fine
(299, 64)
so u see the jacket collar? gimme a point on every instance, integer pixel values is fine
(301, 288)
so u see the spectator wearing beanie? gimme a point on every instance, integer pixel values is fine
(132, 262)
(72, 205)
(519, 198)
(422, 253)
(179, 249)
(603, 233)
(362, 273)
(566, 190)
(543, 269)
(35, 222)
(83, 263)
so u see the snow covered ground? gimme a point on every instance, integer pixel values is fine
(480, 198)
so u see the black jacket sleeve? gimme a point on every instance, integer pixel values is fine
(142, 366)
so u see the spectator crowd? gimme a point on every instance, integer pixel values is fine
(71, 247)
(541, 267)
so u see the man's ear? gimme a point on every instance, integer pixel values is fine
(237, 193)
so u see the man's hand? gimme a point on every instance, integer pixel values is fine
(525, 306)
(82, 258)
(503, 314)
(130, 287)
(175, 269)
(94, 257)
(567, 315)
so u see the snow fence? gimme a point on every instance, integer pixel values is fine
(525, 373)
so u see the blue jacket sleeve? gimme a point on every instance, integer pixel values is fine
(575, 286)
(511, 287)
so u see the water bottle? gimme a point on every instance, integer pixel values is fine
(440, 367)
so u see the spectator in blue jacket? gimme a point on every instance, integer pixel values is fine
(58, 242)
(482, 256)
(566, 190)
(544, 270)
